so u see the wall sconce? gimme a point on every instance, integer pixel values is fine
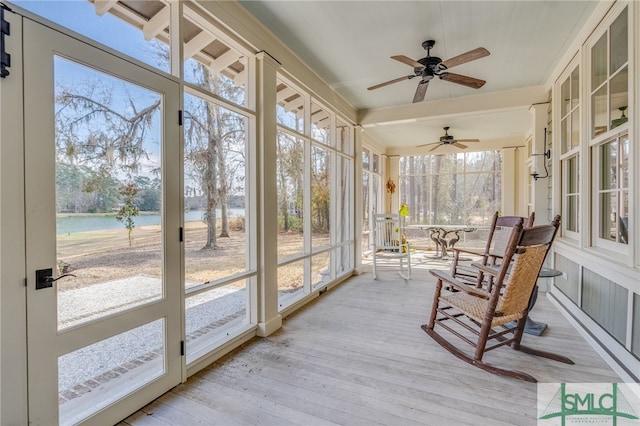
(547, 155)
(535, 175)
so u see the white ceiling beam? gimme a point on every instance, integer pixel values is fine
(103, 6)
(224, 60)
(197, 43)
(294, 105)
(157, 23)
(241, 76)
(486, 102)
(319, 116)
(284, 94)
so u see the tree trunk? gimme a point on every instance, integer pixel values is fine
(223, 192)
(210, 181)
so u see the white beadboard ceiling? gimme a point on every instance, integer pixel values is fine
(349, 45)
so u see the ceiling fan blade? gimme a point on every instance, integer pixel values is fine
(474, 83)
(421, 91)
(427, 144)
(408, 61)
(467, 140)
(459, 145)
(386, 83)
(435, 147)
(471, 55)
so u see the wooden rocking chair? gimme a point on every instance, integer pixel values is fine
(499, 232)
(477, 316)
(390, 245)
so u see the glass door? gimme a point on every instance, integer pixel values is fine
(103, 243)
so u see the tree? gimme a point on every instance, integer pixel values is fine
(128, 210)
(214, 151)
(102, 134)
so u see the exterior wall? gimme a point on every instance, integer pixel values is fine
(600, 289)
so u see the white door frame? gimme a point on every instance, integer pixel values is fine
(45, 343)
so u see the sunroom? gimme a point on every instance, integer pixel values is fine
(179, 181)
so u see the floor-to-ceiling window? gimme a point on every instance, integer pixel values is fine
(371, 193)
(461, 189)
(314, 179)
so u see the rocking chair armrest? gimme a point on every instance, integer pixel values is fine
(467, 251)
(487, 269)
(459, 285)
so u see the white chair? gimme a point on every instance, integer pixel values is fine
(388, 244)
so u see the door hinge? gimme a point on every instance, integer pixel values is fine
(181, 234)
(5, 58)
(182, 348)
(180, 118)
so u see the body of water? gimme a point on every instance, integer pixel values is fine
(81, 223)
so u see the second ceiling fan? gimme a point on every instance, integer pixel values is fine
(448, 139)
(431, 66)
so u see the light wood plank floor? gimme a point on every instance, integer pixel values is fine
(357, 356)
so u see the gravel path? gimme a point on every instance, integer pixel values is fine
(81, 370)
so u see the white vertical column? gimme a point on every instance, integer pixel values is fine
(269, 320)
(357, 200)
(13, 315)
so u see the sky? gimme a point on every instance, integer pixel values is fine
(80, 16)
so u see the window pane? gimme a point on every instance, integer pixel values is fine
(571, 207)
(462, 188)
(320, 124)
(117, 365)
(290, 181)
(599, 116)
(320, 272)
(619, 42)
(214, 191)
(575, 87)
(375, 167)
(608, 215)
(575, 128)
(565, 134)
(609, 168)
(108, 191)
(565, 100)
(619, 97)
(343, 199)
(121, 27)
(599, 62)
(365, 202)
(365, 159)
(208, 312)
(624, 161)
(213, 65)
(290, 107)
(290, 283)
(571, 213)
(320, 196)
(623, 231)
(344, 137)
(572, 175)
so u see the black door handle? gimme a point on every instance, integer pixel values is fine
(44, 278)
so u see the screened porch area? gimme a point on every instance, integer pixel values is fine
(357, 355)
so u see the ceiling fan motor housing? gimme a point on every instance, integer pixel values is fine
(430, 64)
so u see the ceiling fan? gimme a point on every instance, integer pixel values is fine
(432, 66)
(448, 139)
